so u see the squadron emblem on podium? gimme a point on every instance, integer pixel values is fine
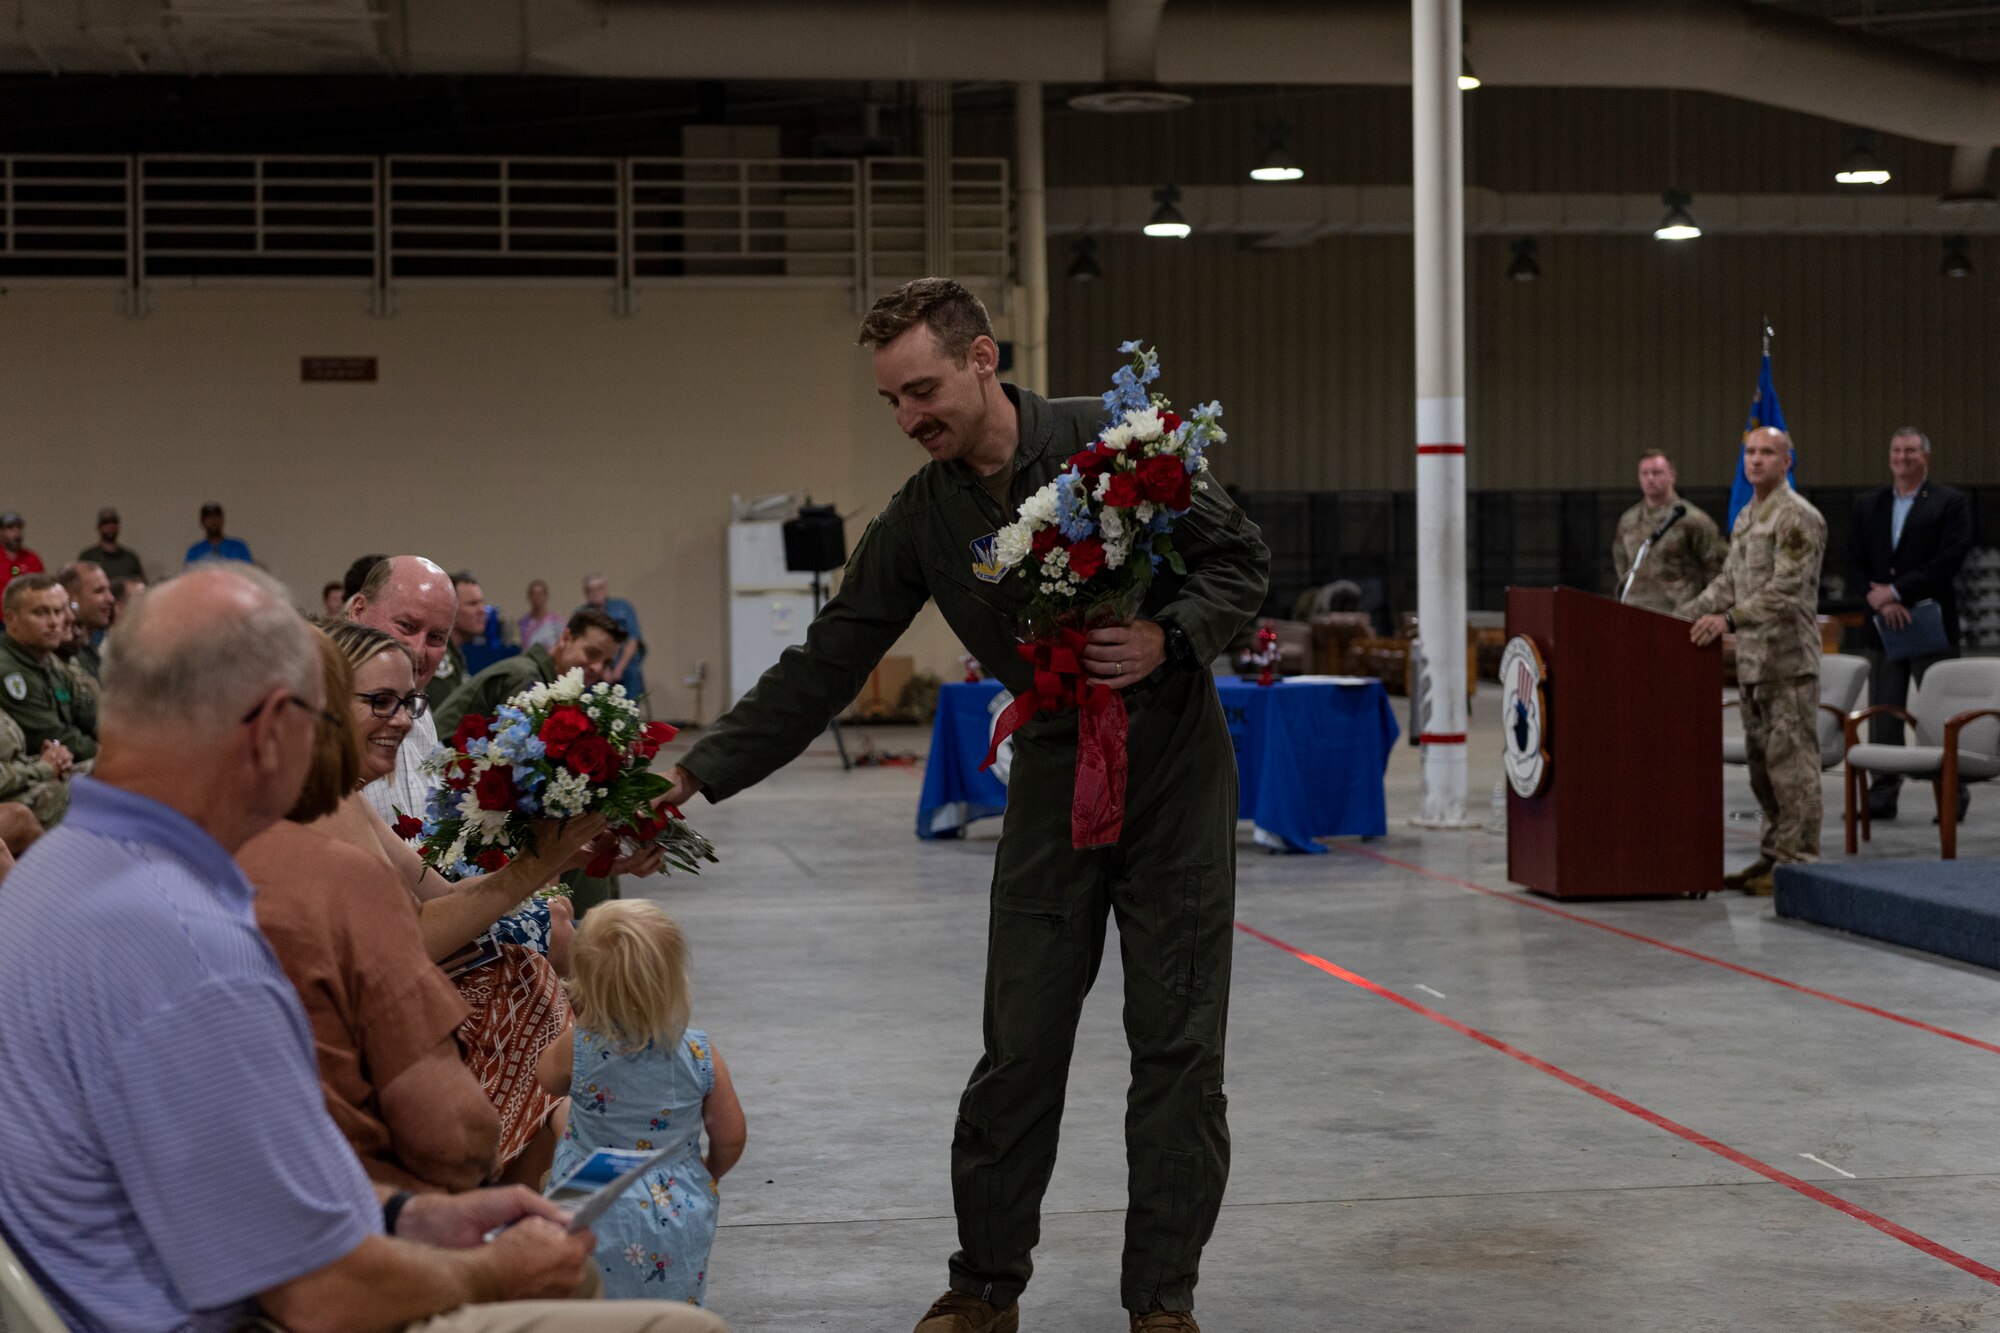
(1524, 709)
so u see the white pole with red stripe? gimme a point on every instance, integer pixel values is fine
(1439, 179)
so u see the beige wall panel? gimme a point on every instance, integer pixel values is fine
(1625, 344)
(519, 433)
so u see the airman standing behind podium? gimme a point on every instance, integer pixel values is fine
(1768, 596)
(1682, 562)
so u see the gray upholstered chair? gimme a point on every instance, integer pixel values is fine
(1957, 726)
(23, 1308)
(1842, 676)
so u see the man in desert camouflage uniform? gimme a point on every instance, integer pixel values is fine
(1767, 595)
(1680, 564)
(39, 781)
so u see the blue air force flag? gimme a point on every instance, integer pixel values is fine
(1764, 411)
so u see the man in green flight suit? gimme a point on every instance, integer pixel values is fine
(1170, 879)
(36, 688)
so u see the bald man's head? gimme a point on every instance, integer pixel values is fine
(193, 653)
(1767, 457)
(412, 600)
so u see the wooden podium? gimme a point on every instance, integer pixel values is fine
(1630, 803)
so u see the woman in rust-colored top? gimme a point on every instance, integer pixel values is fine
(384, 1019)
(515, 1002)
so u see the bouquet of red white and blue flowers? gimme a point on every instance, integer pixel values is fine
(553, 751)
(1092, 538)
(1091, 542)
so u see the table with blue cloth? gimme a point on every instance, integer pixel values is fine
(1310, 756)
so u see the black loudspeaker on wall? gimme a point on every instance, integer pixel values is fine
(816, 540)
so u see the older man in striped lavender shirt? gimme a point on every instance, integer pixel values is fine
(166, 1159)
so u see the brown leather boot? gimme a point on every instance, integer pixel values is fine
(956, 1312)
(1165, 1321)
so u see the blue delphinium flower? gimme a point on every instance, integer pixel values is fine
(1072, 513)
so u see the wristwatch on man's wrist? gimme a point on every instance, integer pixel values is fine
(1180, 648)
(1729, 619)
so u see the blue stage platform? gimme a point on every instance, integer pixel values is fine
(1943, 907)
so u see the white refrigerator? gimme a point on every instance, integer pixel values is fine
(769, 605)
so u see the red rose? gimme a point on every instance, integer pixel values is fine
(1170, 422)
(1091, 462)
(458, 775)
(1087, 557)
(490, 859)
(600, 864)
(646, 825)
(1046, 540)
(495, 789)
(1162, 478)
(408, 827)
(562, 728)
(1124, 492)
(593, 757)
(471, 727)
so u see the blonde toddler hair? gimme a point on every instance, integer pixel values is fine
(629, 974)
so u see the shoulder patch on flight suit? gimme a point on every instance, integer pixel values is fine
(444, 669)
(986, 564)
(17, 686)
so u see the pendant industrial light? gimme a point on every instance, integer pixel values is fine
(1525, 267)
(1277, 164)
(1957, 257)
(1860, 167)
(1467, 79)
(1167, 222)
(1083, 265)
(1678, 224)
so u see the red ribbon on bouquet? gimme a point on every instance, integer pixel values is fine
(1097, 811)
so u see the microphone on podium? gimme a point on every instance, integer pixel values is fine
(1679, 512)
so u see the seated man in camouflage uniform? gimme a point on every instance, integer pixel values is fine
(34, 787)
(1767, 596)
(36, 686)
(589, 641)
(1683, 561)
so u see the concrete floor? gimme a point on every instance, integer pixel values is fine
(1391, 1172)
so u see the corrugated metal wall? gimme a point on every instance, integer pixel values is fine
(1624, 344)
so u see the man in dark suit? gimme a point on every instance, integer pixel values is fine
(1904, 546)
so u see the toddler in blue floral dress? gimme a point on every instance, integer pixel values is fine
(638, 1077)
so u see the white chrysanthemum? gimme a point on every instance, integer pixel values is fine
(1012, 544)
(568, 688)
(1144, 425)
(1143, 514)
(1117, 437)
(533, 699)
(1039, 509)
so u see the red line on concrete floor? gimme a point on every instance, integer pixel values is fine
(1882, 1224)
(1521, 900)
